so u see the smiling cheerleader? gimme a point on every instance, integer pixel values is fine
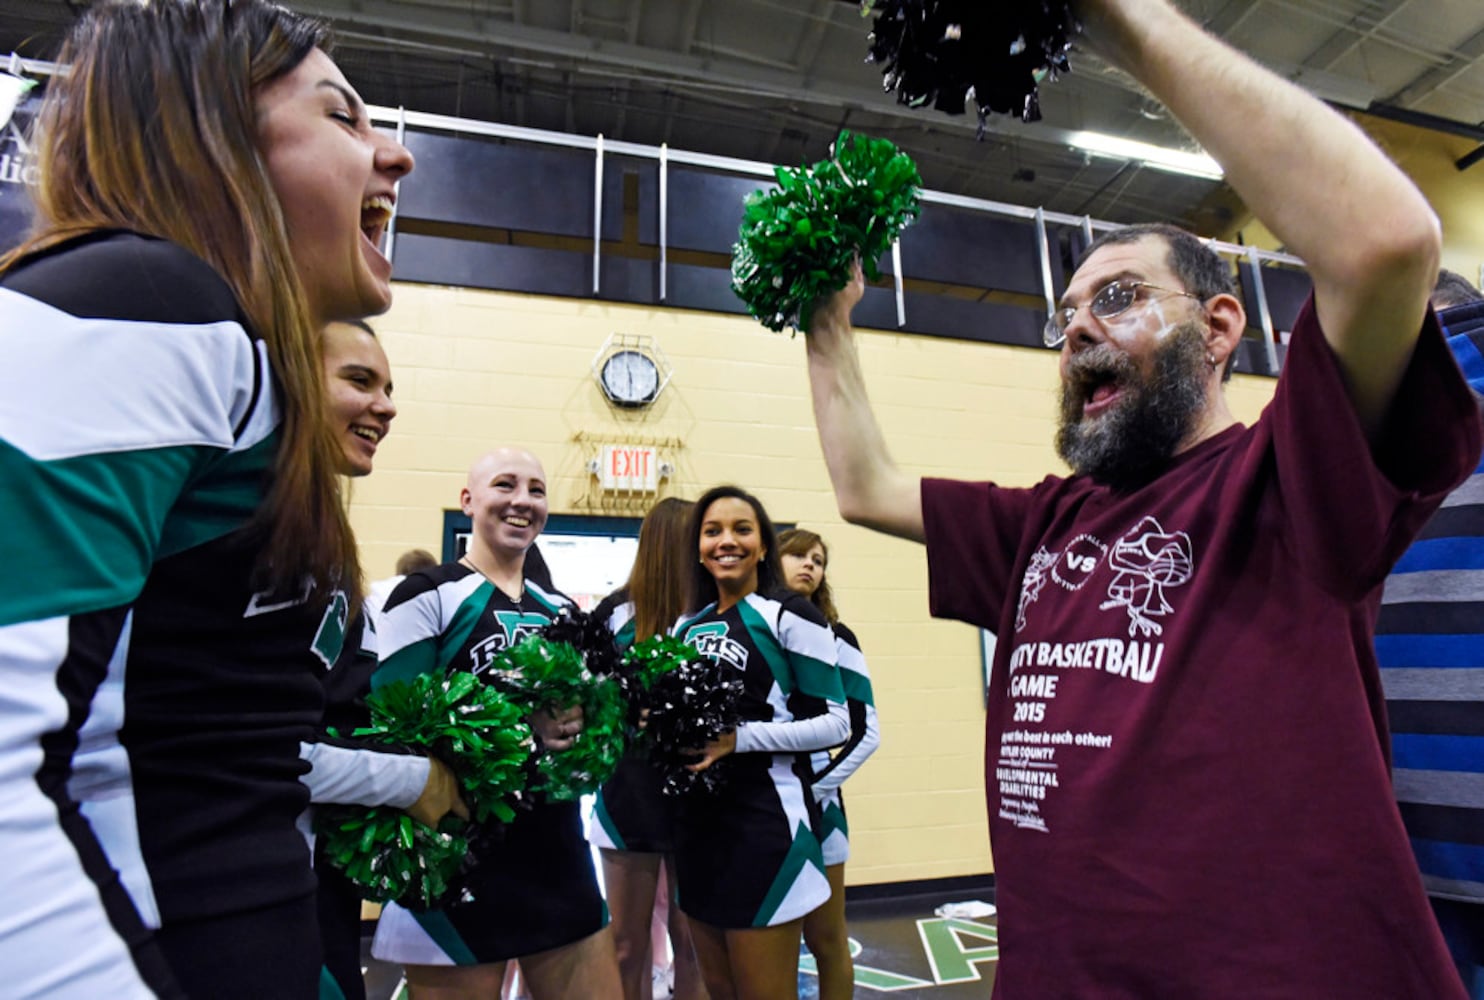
(748, 859)
(533, 895)
(172, 505)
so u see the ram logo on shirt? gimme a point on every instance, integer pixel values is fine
(514, 626)
(712, 642)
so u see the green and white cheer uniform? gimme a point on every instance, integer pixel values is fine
(154, 700)
(865, 736)
(537, 890)
(749, 855)
(631, 813)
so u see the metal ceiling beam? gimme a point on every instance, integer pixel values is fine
(812, 42)
(636, 9)
(571, 103)
(1464, 57)
(1349, 35)
(688, 28)
(1230, 17)
(654, 65)
(1377, 32)
(631, 32)
(689, 25)
(1346, 40)
(780, 125)
(1422, 119)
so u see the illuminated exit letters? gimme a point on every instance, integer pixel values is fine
(629, 467)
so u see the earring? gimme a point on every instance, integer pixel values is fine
(1210, 359)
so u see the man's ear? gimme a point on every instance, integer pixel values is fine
(1225, 321)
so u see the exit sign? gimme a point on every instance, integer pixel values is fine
(629, 467)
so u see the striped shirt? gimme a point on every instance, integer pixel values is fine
(1430, 644)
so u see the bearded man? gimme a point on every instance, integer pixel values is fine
(1185, 622)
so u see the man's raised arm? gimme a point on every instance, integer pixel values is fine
(1370, 240)
(869, 487)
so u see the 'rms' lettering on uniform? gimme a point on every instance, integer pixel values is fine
(711, 640)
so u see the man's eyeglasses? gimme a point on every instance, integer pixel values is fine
(1113, 299)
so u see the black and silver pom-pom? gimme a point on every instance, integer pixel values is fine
(948, 53)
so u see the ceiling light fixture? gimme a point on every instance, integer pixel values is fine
(1175, 161)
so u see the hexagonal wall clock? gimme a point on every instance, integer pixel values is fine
(631, 370)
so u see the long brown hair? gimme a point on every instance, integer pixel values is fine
(798, 542)
(657, 583)
(154, 130)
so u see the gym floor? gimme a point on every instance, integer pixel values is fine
(906, 951)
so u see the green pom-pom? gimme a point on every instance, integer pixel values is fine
(644, 663)
(657, 655)
(581, 769)
(553, 675)
(543, 674)
(797, 242)
(391, 856)
(482, 737)
(480, 732)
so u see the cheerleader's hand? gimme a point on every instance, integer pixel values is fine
(714, 751)
(440, 796)
(557, 728)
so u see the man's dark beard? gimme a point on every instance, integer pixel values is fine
(1128, 446)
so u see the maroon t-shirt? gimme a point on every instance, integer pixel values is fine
(1188, 788)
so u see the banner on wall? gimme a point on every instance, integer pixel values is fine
(18, 172)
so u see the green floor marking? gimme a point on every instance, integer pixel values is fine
(865, 976)
(952, 962)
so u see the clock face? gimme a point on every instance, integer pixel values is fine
(631, 378)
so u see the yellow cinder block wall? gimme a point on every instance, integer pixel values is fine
(476, 369)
